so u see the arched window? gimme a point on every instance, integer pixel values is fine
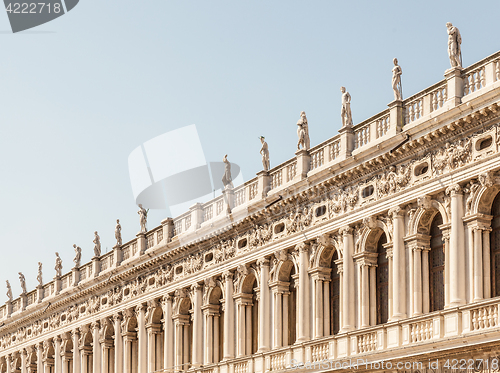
(382, 281)
(334, 297)
(436, 265)
(495, 248)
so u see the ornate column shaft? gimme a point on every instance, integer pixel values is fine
(303, 300)
(347, 280)
(142, 338)
(278, 318)
(168, 334)
(318, 308)
(57, 355)
(373, 295)
(264, 306)
(285, 322)
(365, 296)
(457, 247)
(398, 265)
(478, 264)
(39, 357)
(216, 351)
(241, 329)
(209, 337)
(96, 348)
(486, 264)
(248, 329)
(197, 326)
(75, 335)
(425, 281)
(117, 320)
(228, 316)
(417, 281)
(326, 307)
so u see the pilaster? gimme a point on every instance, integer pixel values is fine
(396, 117)
(454, 86)
(263, 184)
(346, 142)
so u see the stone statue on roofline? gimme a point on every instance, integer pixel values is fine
(9, 291)
(396, 81)
(227, 179)
(454, 46)
(39, 277)
(264, 151)
(22, 280)
(78, 256)
(303, 132)
(345, 112)
(118, 233)
(97, 245)
(143, 218)
(58, 266)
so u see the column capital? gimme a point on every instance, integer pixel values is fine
(454, 189)
(227, 275)
(263, 262)
(95, 325)
(302, 247)
(346, 230)
(396, 211)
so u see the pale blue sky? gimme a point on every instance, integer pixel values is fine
(110, 75)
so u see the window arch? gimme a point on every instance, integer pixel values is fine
(334, 296)
(382, 282)
(436, 265)
(495, 247)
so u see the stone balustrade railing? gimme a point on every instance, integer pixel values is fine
(444, 95)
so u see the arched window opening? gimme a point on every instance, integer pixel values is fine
(334, 296)
(495, 248)
(436, 265)
(382, 282)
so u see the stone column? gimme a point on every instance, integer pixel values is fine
(248, 328)
(96, 266)
(396, 116)
(57, 354)
(285, 326)
(365, 296)
(141, 244)
(105, 349)
(8, 359)
(152, 330)
(303, 300)
(168, 334)
(96, 348)
(228, 194)
(486, 263)
(117, 256)
(66, 357)
(478, 264)
(278, 318)
(178, 344)
(326, 307)
(39, 292)
(417, 281)
(457, 248)
(141, 338)
(39, 357)
(117, 322)
(318, 332)
(216, 338)
(241, 329)
(24, 368)
(398, 265)
(196, 292)
(209, 335)
(196, 216)
(425, 280)
(168, 231)
(128, 338)
(347, 279)
(373, 295)
(228, 316)
(446, 238)
(264, 306)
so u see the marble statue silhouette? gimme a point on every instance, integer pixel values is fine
(227, 179)
(264, 151)
(396, 81)
(22, 280)
(39, 277)
(118, 233)
(303, 132)
(454, 45)
(97, 245)
(9, 291)
(58, 266)
(143, 218)
(345, 112)
(78, 256)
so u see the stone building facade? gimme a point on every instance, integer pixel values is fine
(380, 245)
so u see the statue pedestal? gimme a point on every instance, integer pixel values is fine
(228, 194)
(454, 86)
(96, 266)
(117, 255)
(75, 276)
(141, 243)
(8, 308)
(303, 163)
(57, 285)
(24, 301)
(263, 184)
(196, 216)
(346, 142)
(39, 294)
(396, 117)
(168, 229)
